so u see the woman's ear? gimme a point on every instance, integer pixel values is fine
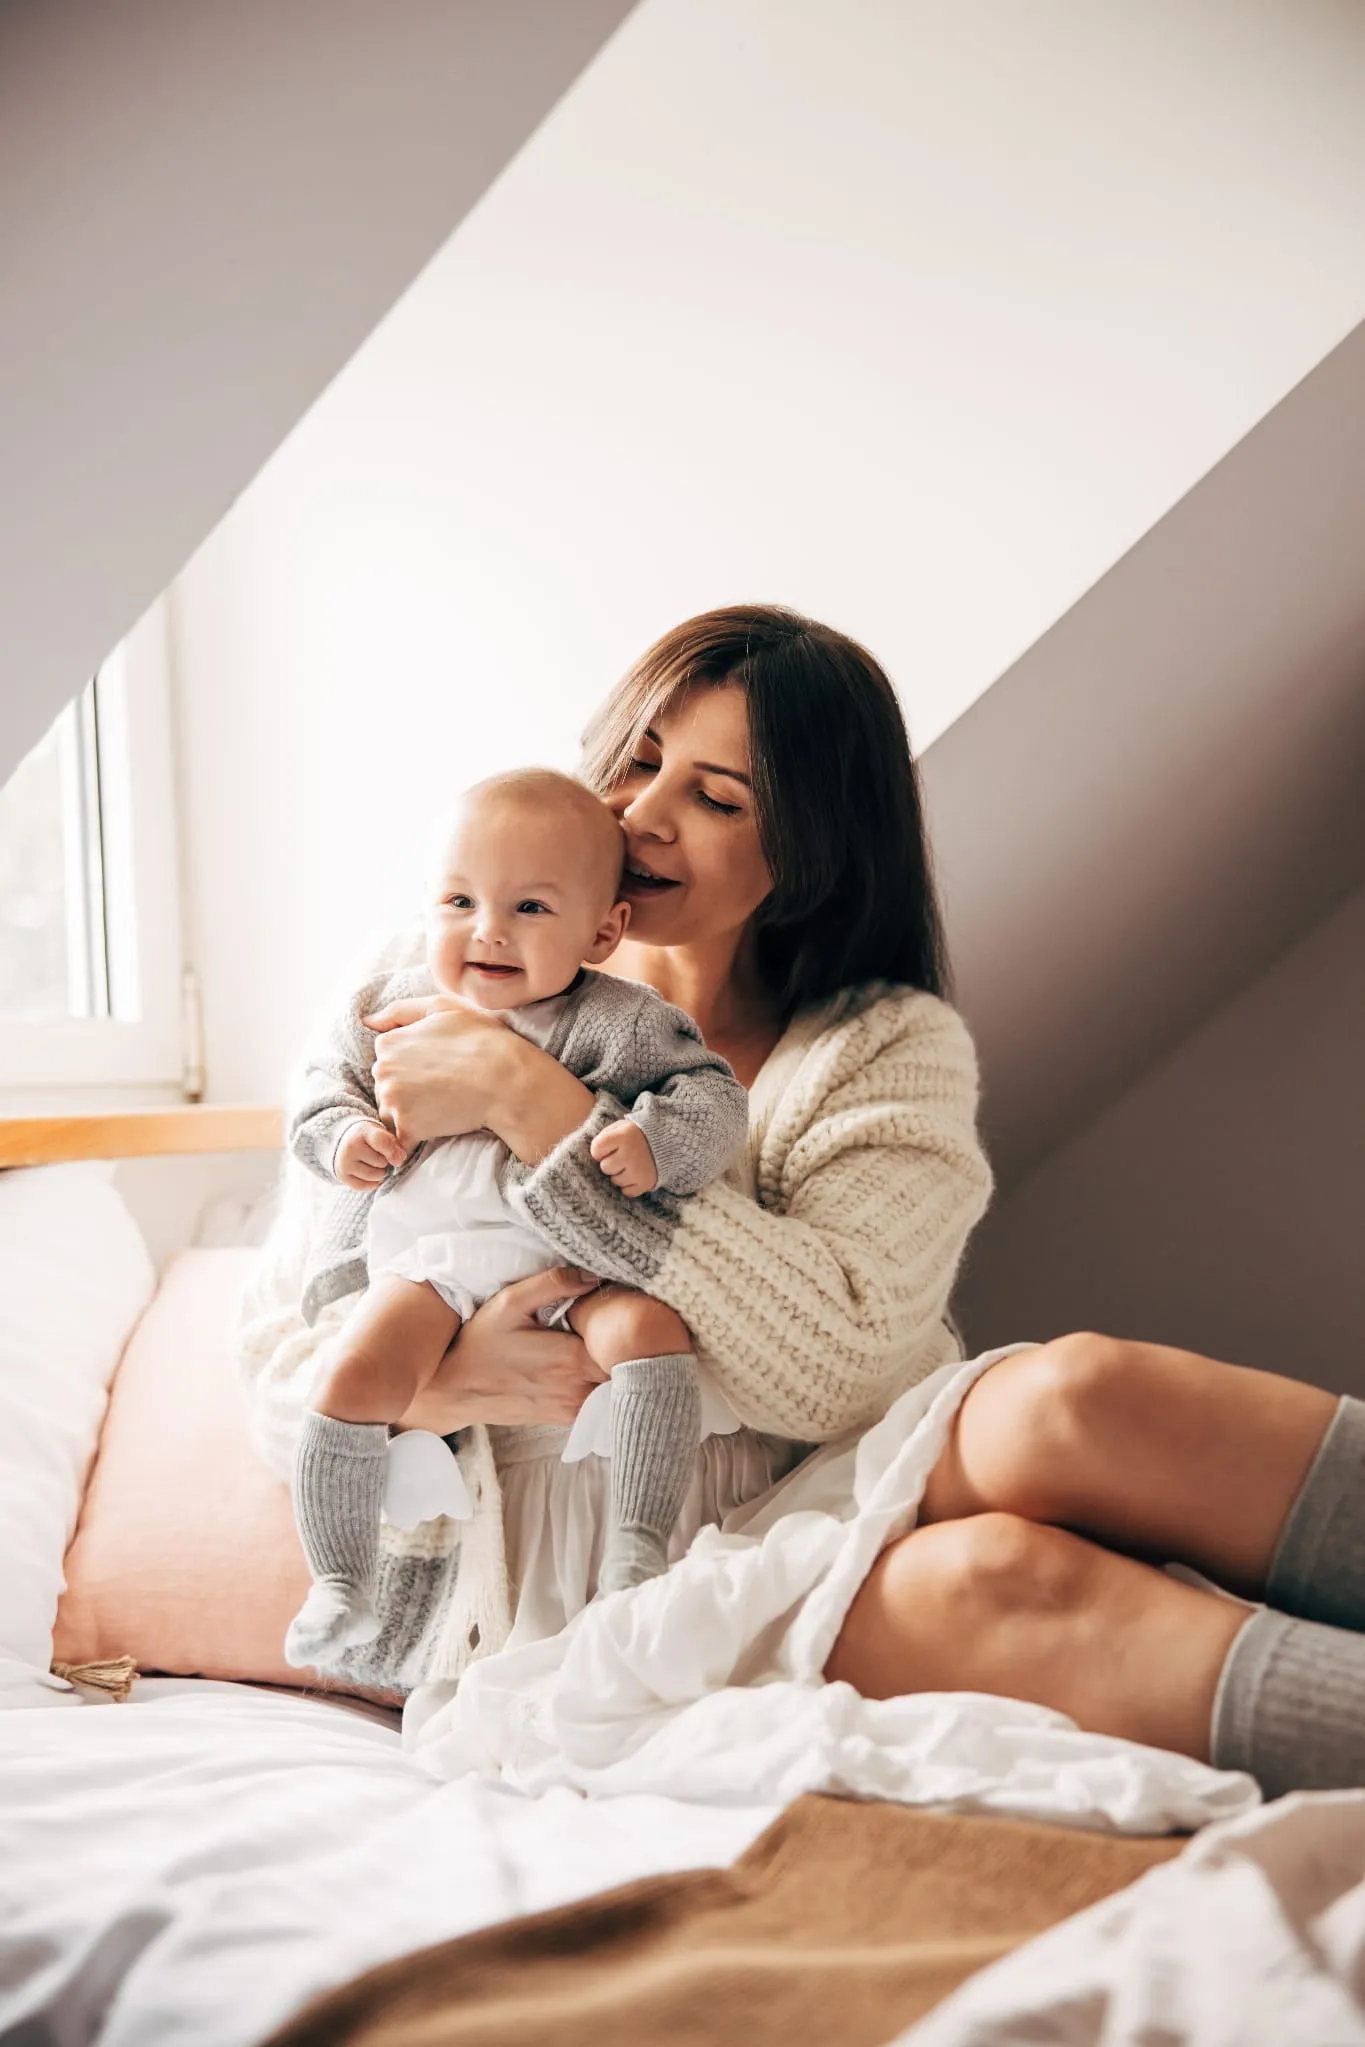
(610, 932)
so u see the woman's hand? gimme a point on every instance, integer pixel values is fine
(443, 1067)
(440, 1066)
(505, 1367)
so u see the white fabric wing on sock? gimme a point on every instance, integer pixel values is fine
(423, 1480)
(590, 1435)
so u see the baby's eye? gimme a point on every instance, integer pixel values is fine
(531, 908)
(459, 902)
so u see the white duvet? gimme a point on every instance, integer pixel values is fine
(705, 1684)
(186, 1870)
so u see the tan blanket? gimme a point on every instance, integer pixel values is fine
(844, 1922)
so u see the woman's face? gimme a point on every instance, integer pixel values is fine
(694, 866)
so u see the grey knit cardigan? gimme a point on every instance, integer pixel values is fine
(641, 1055)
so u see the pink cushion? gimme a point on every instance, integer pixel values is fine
(185, 1555)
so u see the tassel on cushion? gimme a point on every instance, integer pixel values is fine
(114, 1676)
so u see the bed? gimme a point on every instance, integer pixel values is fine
(196, 1864)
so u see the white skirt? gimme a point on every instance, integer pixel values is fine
(555, 1514)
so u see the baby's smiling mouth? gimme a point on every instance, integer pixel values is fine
(494, 967)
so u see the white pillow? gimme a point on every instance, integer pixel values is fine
(74, 1278)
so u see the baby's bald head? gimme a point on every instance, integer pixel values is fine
(558, 808)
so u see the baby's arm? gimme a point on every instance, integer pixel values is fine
(689, 1115)
(337, 1097)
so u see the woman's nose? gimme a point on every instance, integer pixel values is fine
(650, 813)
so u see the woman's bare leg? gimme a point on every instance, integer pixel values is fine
(1001, 1605)
(1158, 1451)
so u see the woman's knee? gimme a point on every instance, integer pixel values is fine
(989, 1565)
(933, 1611)
(1032, 1425)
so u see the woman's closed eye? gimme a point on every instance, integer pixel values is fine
(640, 767)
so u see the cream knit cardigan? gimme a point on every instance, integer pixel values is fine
(815, 1277)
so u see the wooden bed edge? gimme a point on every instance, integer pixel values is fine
(139, 1133)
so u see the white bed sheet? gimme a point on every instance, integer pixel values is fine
(186, 1870)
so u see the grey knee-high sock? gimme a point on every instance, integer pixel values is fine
(339, 1472)
(1290, 1706)
(1318, 1570)
(655, 1430)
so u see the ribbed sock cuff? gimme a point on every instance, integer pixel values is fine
(339, 1473)
(1290, 1706)
(1318, 1570)
(655, 1430)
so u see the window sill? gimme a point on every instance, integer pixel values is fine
(39, 1140)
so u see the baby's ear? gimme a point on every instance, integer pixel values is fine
(610, 932)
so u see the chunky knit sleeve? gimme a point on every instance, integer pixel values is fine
(818, 1304)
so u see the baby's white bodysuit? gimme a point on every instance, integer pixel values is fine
(448, 1222)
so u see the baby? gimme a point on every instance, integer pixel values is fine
(527, 902)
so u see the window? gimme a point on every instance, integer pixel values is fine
(54, 942)
(89, 916)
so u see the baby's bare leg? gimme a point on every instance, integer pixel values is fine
(655, 1424)
(385, 1355)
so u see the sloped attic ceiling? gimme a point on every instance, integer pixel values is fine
(1169, 787)
(205, 210)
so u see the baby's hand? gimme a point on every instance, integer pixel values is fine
(622, 1151)
(365, 1153)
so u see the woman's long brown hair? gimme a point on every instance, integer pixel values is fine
(840, 815)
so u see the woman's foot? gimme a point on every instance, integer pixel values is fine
(333, 1618)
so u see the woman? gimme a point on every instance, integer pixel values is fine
(780, 893)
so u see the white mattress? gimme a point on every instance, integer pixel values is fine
(187, 1869)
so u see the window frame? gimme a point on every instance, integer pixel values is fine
(140, 1043)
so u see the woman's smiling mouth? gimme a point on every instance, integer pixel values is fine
(637, 880)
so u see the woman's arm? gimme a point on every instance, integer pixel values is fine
(817, 1307)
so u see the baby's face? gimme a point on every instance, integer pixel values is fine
(517, 907)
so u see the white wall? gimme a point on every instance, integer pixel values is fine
(914, 315)
(1218, 1204)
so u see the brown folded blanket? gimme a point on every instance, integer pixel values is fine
(844, 1922)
